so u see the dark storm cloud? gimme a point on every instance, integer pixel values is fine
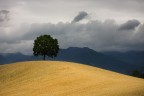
(129, 25)
(100, 36)
(80, 16)
(4, 15)
(95, 34)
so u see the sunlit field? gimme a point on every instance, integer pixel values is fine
(55, 78)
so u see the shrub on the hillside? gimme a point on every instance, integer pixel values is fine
(137, 73)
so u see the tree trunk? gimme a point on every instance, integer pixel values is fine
(43, 57)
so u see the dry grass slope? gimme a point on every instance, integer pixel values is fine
(53, 78)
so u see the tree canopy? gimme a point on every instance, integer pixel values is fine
(45, 45)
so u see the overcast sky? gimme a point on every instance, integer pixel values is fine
(102, 25)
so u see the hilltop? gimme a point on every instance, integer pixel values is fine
(55, 78)
(120, 62)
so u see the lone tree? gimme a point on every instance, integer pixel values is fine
(45, 45)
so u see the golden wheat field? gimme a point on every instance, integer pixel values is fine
(55, 78)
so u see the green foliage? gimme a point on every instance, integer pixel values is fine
(137, 73)
(45, 45)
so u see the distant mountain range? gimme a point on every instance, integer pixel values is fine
(115, 61)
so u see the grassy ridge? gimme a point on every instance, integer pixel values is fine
(53, 78)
